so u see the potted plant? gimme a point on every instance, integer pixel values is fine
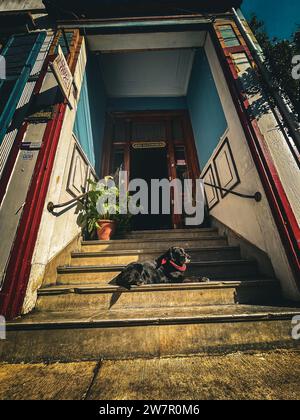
(109, 220)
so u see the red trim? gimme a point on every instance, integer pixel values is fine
(281, 209)
(19, 266)
(289, 225)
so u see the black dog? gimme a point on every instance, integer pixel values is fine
(169, 268)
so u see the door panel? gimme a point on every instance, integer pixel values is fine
(149, 164)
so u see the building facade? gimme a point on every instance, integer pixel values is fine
(183, 79)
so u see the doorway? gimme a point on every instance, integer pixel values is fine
(148, 164)
(151, 145)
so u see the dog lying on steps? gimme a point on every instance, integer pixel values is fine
(167, 269)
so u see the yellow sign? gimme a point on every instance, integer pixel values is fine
(150, 145)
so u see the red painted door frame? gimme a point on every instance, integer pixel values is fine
(166, 117)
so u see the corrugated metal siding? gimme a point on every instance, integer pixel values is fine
(5, 148)
(42, 54)
(10, 137)
(20, 54)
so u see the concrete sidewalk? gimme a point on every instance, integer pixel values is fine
(270, 376)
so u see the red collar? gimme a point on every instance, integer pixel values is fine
(182, 268)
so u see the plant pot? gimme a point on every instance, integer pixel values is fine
(106, 230)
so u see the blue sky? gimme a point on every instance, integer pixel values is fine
(281, 17)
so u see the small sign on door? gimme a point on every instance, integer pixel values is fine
(149, 145)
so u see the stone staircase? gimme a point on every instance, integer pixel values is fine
(85, 317)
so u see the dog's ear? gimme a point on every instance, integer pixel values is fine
(167, 256)
(170, 253)
(173, 253)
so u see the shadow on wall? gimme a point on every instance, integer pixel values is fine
(251, 86)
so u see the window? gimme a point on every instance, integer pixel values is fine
(181, 163)
(120, 131)
(229, 36)
(148, 131)
(118, 159)
(177, 130)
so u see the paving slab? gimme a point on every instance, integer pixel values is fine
(60, 381)
(267, 376)
(238, 376)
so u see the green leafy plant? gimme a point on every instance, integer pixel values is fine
(89, 217)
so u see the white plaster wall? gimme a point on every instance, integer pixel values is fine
(56, 232)
(278, 147)
(251, 220)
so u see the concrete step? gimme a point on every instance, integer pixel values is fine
(96, 335)
(126, 257)
(174, 233)
(214, 270)
(161, 245)
(70, 298)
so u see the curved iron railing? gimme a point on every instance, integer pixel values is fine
(51, 206)
(257, 196)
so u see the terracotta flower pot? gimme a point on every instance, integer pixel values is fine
(107, 229)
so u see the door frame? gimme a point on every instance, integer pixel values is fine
(167, 116)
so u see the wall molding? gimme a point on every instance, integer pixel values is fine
(221, 170)
(80, 165)
(224, 162)
(211, 194)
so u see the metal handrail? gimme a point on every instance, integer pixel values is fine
(51, 206)
(257, 197)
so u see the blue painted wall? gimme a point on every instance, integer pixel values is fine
(146, 104)
(206, 112)
(90, 118)
(207, 116)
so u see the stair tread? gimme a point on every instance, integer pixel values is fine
(147, 240)
(164, 231)
(215, 313)
(149, 251)
(159, 287)
(117, 267)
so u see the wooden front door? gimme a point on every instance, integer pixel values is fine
(151, 145)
